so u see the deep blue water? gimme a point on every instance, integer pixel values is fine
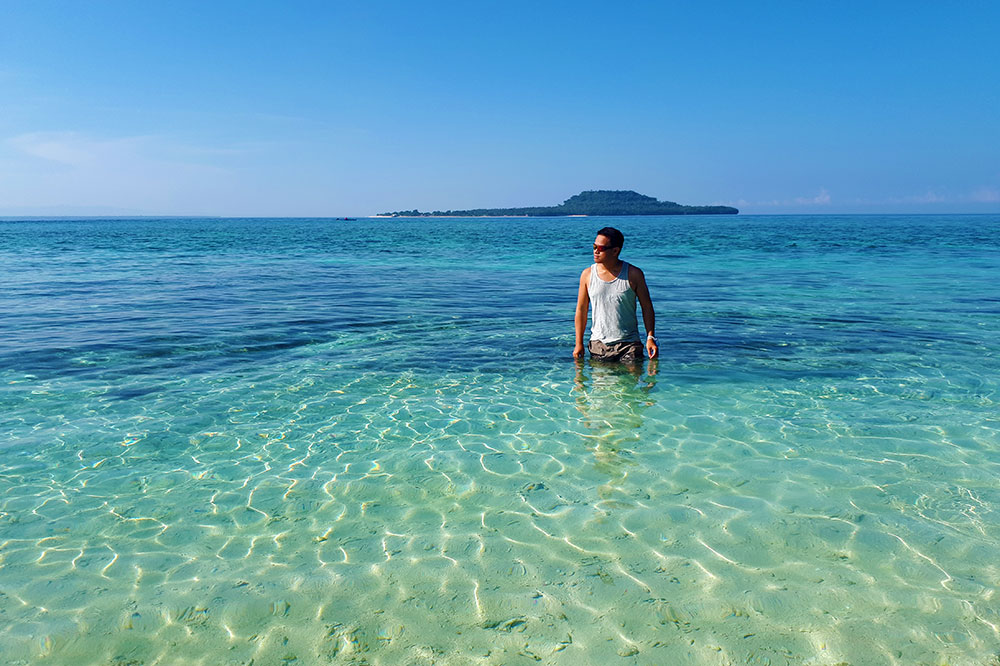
(779, 291)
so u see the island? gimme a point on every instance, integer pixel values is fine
(590, 202)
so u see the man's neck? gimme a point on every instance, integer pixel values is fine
(614, 268)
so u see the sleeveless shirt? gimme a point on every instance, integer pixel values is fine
(614, 308)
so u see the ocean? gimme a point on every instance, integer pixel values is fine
(276, 441)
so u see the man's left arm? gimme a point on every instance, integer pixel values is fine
(638, 280)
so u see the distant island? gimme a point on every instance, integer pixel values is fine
(591, 202)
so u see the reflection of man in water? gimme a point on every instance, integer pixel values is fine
(612, 398)
(612, 286)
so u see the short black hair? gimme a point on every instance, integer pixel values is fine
(616, 237)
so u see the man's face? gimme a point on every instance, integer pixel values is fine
(603, 249)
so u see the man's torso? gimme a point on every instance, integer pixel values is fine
(613, 303)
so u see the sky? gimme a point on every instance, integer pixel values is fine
(355, 108)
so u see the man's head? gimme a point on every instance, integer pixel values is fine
(608, 244)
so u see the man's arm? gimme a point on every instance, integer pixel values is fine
(582, 305)
(638, 282)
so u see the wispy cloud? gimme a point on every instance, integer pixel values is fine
(928, 197)
(986, 195)
(74, 149)
(83, 150)
(821, 199)
(979, 195)
(75, 169)
(973, 199)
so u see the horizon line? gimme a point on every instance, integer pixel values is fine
(13, 218)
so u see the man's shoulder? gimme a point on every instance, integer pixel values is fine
(636, 278)
(634, 271)
(586, 272)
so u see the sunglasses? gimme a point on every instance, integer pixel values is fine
(602, 248)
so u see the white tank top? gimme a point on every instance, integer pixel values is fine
(614, 308)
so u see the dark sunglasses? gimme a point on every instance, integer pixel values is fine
(602, 248)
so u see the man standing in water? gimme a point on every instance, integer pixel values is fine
(612, 286)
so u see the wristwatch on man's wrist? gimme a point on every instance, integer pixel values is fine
(650, 336)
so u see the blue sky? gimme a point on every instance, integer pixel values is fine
(337, 108)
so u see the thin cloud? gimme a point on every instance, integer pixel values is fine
(929, 197)
(74, 169)
(78, 149)
(821, 199)
(932, 199)
(986, 195)
(66, 148)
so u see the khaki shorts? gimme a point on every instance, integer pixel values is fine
(616, 351)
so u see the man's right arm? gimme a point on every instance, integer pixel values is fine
(582, 305)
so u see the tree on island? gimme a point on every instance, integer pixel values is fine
(590, 202)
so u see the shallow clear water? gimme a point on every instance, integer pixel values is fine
(312, 441)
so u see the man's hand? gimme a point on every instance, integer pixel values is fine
(578, 351)
(651, 348)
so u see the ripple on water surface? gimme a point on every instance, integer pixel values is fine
(570, 515)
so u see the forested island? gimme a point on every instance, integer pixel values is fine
(591, 202)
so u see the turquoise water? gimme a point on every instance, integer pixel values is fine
(310, 441)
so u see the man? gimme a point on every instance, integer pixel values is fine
(612, 286)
